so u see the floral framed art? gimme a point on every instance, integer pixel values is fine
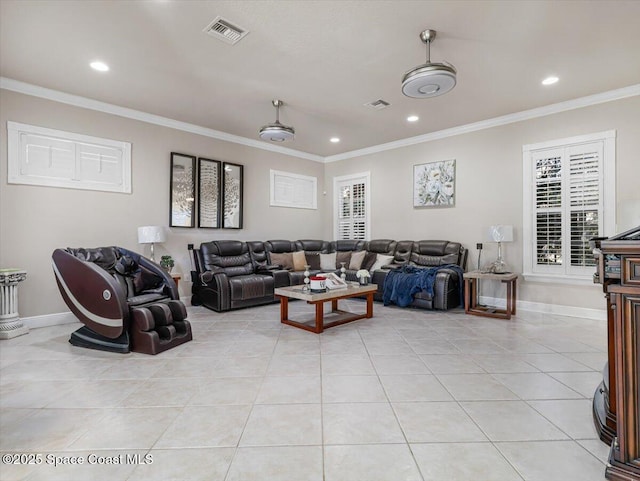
(183, 191)
(232, 195)
(209, 198)
(434, 184)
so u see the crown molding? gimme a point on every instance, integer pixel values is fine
(578, 103)
(77, 101)
(57, 96)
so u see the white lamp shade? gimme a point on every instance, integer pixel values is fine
(500, 233)
(151, 233)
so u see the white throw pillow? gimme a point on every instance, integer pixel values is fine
(381, 260)
(328, 262)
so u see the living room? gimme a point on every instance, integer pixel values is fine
(488, 149)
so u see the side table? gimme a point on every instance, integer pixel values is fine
(471, 306)
(10, 324)
(176, 278)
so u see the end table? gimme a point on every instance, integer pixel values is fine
(176, 278)
(471, 306)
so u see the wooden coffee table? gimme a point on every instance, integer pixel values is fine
(333, 296)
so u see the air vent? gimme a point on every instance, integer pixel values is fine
(378, 104)
(224, 30)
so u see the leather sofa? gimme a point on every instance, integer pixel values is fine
(231, 274)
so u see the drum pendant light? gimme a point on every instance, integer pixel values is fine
(429, 79)
(276, 132)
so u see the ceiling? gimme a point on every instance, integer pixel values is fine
(325, 59)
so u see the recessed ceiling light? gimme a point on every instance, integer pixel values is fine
(99, 66)
(550, 80)
(413, 118)
(335, 140)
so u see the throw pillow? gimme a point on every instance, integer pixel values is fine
(299, 261)
(356, 260)
(313, 260)
(343, 256)
(284, 259)
(368, 261)
(381, 260)
(328, 262)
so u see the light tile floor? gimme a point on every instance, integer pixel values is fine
(408, 395)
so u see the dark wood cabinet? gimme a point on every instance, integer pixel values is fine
(616, 403)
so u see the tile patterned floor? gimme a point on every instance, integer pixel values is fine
(409, 395)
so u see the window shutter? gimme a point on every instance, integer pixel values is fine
(352, 208)
(548, 208)
(569, 198)
(585, 209)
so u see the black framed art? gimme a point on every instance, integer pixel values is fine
(232, 195)
(209, 198)
(182, 192)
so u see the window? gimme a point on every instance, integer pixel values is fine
(569, 198)
(41, 156)
(293, 190)
(352, 206)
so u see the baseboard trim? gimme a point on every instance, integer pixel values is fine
(554, 309)
(47, 320)
(60, 318)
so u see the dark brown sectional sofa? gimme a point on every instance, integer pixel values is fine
(232, 274)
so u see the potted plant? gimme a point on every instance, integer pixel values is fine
(166, 262)
(363, 277)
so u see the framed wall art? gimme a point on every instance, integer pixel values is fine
(434, 184)
(209, 198)
(232, 195)
(182, 191)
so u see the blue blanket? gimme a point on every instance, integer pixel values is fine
(401, 285)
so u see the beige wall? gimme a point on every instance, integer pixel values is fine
(36, 220)
(489, 187)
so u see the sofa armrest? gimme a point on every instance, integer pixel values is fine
(280, 276)
(268, 268)
(446, 290)
(393, 267)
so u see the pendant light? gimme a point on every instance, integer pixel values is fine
(276, 132)
(429, 79)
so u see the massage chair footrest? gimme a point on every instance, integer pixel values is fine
(158, 327)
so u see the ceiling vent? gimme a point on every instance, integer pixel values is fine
(224, 30)
(378, 104)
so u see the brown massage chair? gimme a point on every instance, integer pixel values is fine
(125, 301)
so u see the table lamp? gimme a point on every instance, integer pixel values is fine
(500, 234)
(150, 234)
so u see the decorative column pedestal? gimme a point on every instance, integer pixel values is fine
(10, 324)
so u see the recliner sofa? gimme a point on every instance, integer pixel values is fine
(232, 274)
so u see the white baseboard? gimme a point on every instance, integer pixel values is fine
(47, 320)
(555, 309)
(572, 311)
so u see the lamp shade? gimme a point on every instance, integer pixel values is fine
(500, 233)
(151, 233)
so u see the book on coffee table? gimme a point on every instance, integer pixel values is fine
(332, 281)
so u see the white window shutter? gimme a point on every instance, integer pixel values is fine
(564, 204)
(352, 211)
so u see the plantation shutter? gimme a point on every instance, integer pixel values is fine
(352, 208)
(585, 206)
(568, 208)
(548, 208)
